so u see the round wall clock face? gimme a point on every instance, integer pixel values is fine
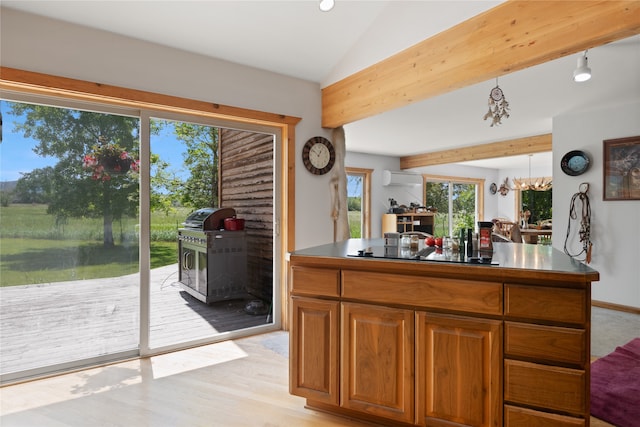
(318, 155)
(575, 163)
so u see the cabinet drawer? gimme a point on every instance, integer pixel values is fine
(419, 291)
(550, 343)
(542, 386)
(553, 304)
(518, 417)
(315, 281)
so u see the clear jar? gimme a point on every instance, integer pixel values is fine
(414, 243)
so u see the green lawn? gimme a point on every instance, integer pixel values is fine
(34, 249)
(355, 219)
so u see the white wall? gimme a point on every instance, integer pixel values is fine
(33, 43)
(615, 225)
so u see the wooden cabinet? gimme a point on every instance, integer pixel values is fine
(458, 371)
(423, 222)
(377, 361)
(314, 350)
(546, 356)
(431, 344)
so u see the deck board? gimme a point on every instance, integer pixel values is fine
(46, 324)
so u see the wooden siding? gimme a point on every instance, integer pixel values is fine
(247, 185)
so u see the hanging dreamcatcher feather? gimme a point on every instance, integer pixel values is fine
(585, 223)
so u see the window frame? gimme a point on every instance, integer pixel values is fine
(478, 182)
(366, 198)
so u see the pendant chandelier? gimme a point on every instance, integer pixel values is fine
(535, 184)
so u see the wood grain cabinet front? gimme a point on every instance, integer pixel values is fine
(315, 281)
(377, 361)
(546, 350)
(458, 371)
(314, 350)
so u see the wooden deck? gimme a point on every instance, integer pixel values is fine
(61, 322)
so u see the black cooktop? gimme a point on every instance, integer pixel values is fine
(428, 253)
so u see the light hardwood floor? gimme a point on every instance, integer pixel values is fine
(240, 383)
(233, 383)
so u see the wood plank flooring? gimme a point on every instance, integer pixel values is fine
(60, 322)
(241, 383)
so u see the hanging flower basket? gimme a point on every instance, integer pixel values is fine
(107, 160)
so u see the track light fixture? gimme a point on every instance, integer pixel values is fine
(327, 5)
(582, 73)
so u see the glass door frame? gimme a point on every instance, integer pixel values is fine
(478, 182)
(280, 207)
(145, 230)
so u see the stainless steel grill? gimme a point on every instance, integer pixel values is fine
(213, 261)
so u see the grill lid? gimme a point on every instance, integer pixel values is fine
(208, 218)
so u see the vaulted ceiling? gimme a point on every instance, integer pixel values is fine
(296, 39)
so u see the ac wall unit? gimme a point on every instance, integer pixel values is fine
(401, 178)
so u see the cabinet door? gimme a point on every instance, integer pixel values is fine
(314, 349)
(378, 361)
(458, 371)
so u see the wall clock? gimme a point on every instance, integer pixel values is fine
(575, 163)
(318, 155)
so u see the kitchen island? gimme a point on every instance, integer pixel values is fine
(432, 342)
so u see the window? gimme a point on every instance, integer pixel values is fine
(70, 290)
(458, 201)
(538, 203)
(93, 196)
(359, 202)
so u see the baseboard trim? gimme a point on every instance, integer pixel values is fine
(617, 307)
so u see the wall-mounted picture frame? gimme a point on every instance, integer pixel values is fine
(621, 172)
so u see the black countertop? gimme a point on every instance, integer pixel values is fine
(518, 256)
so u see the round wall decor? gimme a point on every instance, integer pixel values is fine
(575, 163)
(318, 155)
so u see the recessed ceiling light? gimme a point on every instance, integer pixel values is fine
(327, 5)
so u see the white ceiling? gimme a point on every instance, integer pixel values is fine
(296, 39)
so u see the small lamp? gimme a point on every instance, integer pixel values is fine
(582, 73)
(327, 5)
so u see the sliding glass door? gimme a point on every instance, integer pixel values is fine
(207, 289)
(91, 202)
(68, 227)
(458, 202)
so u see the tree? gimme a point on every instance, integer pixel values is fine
(201, 158)
(35, 186)
(539, 203)
(71, 135)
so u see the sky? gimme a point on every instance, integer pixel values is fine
(17, 156)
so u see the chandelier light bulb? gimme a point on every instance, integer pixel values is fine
(327, 5)
(582, 73)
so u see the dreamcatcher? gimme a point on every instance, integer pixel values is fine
(585, 223)
(498, 106)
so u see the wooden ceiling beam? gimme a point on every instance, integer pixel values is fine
(513, 147)
(509, 37)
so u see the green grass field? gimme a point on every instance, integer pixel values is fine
(35, 249)
(355, 219)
